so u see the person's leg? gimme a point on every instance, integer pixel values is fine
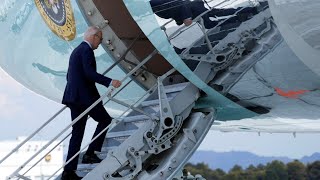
(209, 24)
(161, 8)
(241, 14)
(232, 11)
(247, 10)
(197, 8)
(183, 14)
(174, 9)
(100, 115)
(76, 137)
(222, 12)
(233, 19)
(262, 5)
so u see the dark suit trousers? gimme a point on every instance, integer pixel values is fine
(100, 115)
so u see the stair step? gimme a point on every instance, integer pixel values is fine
(125, 129)
(203, 49)
(150, 103)
(83, 173)
(120, 134)
(261, 28)
(104, 152)
(154, 102)
(136, 118)
(86, 167)
(170, 89)
(230, 26)
(175, 87)
(113, 142)
(220, 35)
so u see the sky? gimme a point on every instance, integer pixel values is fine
(22, 111)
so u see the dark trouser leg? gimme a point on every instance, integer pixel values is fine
(241, 16)
(231, 11)
(208, 23)
(76, 137)
(248, 10)
(100, 115)
(222, 12)
(177, 10)
(197, 8)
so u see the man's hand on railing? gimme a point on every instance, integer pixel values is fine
(116, 83)
(187, 22)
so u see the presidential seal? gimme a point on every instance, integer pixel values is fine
(58, 15)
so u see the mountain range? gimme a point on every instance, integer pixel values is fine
(226, 160)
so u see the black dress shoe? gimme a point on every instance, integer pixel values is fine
(70, 175)
(116, 174)
(178, 50)
(90, 159)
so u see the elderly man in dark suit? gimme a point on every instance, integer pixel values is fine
(79, 94)
(184, 11)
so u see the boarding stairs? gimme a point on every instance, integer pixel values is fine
(233, 48)
(157, 134)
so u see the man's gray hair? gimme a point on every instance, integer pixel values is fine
(92, 30)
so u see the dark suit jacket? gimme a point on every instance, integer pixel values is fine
(180, 10)
(82, 76)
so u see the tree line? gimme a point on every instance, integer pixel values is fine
(275, 170)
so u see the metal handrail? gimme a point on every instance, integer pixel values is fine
(118, 91)
(40, 159)
(205, 35)
(105, 129)
(128, 75)
(122, 87)
(114, 122)
(64, 107)
(60, 111)
(33, 134)
(56, 137)
(111, 90)
(122, 57)
(137, 67)
(83, 114)
(197, 19)
(147, 92)
(134, 108)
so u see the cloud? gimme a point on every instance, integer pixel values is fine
(11, 86)
(8, 108)
(10, 92)
(3, 100)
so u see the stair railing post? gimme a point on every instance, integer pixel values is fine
(85, 112)
(94, 138)
(137, 67)
(64, 130)
(46, 154)
(128, 75)
(33, 134)
(62, 109)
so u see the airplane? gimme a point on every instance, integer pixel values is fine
(237, 76)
